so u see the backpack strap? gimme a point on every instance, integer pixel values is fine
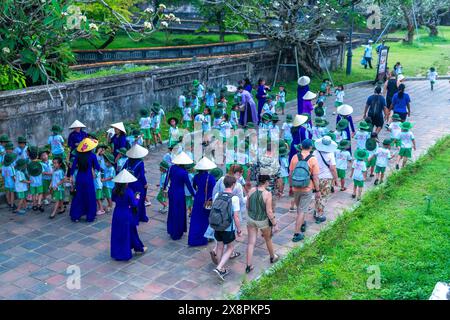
(323, 159)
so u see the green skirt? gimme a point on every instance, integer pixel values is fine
(99, 194)
(107, 193)
(58, 195)
(45, 185)
(37, 190)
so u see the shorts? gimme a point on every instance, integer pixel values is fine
(372, 162)
(303, 200)
(99, 194)
(12, 189)
(338, 104)
(22, 195)
(377, 122)
(58, 195)
(281, 105)
(380, 169)
(341, 173)
(358, 183)
(45, 185)
(107, 193)
(262, 224)
(402, 115)
(187, 124)
(155, 131)
(224, 236)
(160, 197)
(147, 133)
(288, 141)
(405, 152)
(189, 201)
(37, 190)
(432, 82)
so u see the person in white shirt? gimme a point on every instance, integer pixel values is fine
(343, 158)
(383, 156)
(368, 54)
(361, 135)
(432, 76)
(359, 172)
(182, 100)
(286, 130)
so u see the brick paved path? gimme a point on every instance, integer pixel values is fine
(35, 252)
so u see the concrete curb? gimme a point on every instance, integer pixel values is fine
(367, 82)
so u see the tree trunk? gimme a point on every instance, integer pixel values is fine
(307, 61)
(110, 39)
(221, 25)
(409, 25)
(433, 30)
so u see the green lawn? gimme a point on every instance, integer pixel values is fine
(157, 39)
(391, 230)
(76, 75)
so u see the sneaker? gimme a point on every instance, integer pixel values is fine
(320, 219)
(34, 208)
(144, 250)
(46, 202)
(41, 208)
(353, 196)
(274, 259)
(148, 203)
(292, 210)
(372, 175)
(375, 182)
(303, 227)
(100, 212)
(221, 274)
(298, 237)
(397, 166)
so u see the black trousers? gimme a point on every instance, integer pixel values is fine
(368, 62)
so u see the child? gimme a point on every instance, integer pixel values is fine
(284, 164)
(383, 155)
(174, 133)
(211, 98)
(320, 110)
(168, 156)
(320, 128)
(189, 198)
(21, 185)
(275, 129)
(322, 97)
(187, 115)
(100, 152)
(8, 174)
(224, 103)
(206, 125)
(98, 185)
(47, 169)
(57, 186)
(234, 118)
(155, 126)
(359, 172)
(395, 130)
(35, 169)
(225, 125)
(362, 135)
(199, 89)
(339, 92)
(157, 109)
(56, 142)
(371, 147)
(4, 139)
(368, 120)
(145, 124)
(21, 150)
(344, 112)
(325, 87)
(194, 102)
(341, 133)
(343, 158)
(269, 106)
(137, 137)
(281, 99)
(121, 159)
(108, 175)
(286, 128)
(407, 143)
(163, 168)
(265, 121)
(218, 114)
(432, 76)
(182, 100)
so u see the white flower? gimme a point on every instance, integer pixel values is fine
(93, 26)
(162, 7)
(307, 16)
(316, 7)
(148, 10)
(164, 24)
(83, 18)
(65, 13)
(148, 25)
(6, 50)
(332, 22)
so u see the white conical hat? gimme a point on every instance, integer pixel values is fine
(137, 152)
(77, 124)
(303, 81)
(345, 110)
(231, 88)
(309, 95)
(401, 77)
(124, 177)
(299, 120)
(205, 164)
(182, 158)
(120, 126)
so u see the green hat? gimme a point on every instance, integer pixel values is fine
(217, 173)
(155, 110)
(156, 105)
(9, 159)
(342, 125)
(220, 104)
(109, 157)
(34, 168)
(143, 112)
(9, 146)
(282, 151)
(332, 135)
(93, 136)
(102, 146)
(218, 113)
(275, 117)
(289, 118)
(195, 83)
(321, 122)
(364, 126)
(4, 138)
(266, 117)
(172, 144)
(250, 125)
(387, 142)
(319, 111)
(188, 102)
(406, 125)
(123, 151)
(21, 139)
(361, 154)
(371, 144)
(189, 166)
(136, 133)
(43, 150)
(396, 116)
(271, 97)
(163, 164)
(21, 164)
(344, 144)
(56, 129)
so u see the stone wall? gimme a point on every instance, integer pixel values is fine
(101, 101)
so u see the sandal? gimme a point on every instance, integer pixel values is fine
(214, 257)
(249, 268)
(235, 254)
(274, 259)
(343, 189)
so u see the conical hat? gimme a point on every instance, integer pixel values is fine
(309, 95)
(87, 144)
(205, 164)
(77, 124)
(345, 110)
(124, 177)
(231, 88)
(120, 126)
(303, 81)
(137, 152)
(182, 158)
(299, 120)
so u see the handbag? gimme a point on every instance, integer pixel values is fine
(208, 202)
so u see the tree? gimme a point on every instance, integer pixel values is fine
(430, 13)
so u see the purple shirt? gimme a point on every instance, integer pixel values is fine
(247, 101)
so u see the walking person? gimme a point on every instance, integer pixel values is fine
(376, 109)
(260, 217)
(368, 54)
(248, 112)
(76, 136)
(401, 103)
(302, 89)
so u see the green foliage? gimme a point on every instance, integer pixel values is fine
(11, 79)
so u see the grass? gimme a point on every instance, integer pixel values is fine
(76, 75)
(390, 230)
(157, 39)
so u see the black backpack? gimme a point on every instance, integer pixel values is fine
(221, 215)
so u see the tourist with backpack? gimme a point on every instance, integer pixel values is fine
(224, 219)
(303, 177)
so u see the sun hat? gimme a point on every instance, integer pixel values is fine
(205, 164)
(156, 105)
(303, 81)
(21, 140)
(123, 151)
(319, 122)
(309, 96)
(210, 89)
(342, 124)
(332, 135)
(144, 112)
(250, 125)
(102, 146)
(170, 120)
(396, 116)
(299, 120)
(4, 138)
(109, 157)
(217, 173)
(371, 144)
(119, 126)
(231, 88)
(164, 164)
(289, 118)
(319, 111)
(56, 129)
(9, 146)
(124, 176)
(401, 77)
(361, 154)
(275, 117)
(344, 144)
(92, 136)
(195, 83)
(33, 152)
(387, 142)
(306, 114)
(34, 168)
(363, 126)
(182, 158)
(270, 97)
(137, 152)
(325, 144)
(77, 124)
(21, 164)
(87, 144)
(155, 110)
(345, 110)
(266, 117)
(220, 104)
(9, 159)
(406, 125)
(43, 150)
